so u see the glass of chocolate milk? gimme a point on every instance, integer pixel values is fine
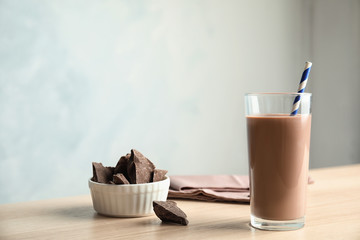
(278, 147)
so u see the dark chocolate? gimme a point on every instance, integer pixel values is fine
(168, 211)
(159, 175)
(139, 168)
(102, 174)
(119, 178)
(121, 166)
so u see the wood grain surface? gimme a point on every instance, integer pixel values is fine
(333, 212)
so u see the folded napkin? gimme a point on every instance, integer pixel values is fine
(213, 188)
(223, 188)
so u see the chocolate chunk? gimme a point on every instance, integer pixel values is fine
(119, 178)
(139, 168)
(102, 174)
(121, 166)
(159, 175)
(168, 211)
(111, 169)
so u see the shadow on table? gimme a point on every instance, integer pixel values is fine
(227, 226)
(234, 225)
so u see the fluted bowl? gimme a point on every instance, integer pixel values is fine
(127, 200)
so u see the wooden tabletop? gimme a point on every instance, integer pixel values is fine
(333, 213)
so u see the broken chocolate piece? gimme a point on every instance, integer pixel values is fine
(119, 178)
(159, 175)
(102, 174)
(168, 211)
(139, 168)
(121, 166)
(111, 169)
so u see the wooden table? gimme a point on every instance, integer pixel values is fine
(333, 213)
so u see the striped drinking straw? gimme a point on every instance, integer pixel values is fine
(301, 88)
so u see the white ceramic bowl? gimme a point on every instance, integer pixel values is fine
(128, 200)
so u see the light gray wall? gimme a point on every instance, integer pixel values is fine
(85, 81)
(335, 47)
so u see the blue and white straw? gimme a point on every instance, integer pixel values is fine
(301, 89)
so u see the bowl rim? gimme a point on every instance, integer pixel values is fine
(129, 185)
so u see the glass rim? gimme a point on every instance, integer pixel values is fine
(277, 93)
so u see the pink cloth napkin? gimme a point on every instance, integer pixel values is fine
(212, 188)
(223, 188)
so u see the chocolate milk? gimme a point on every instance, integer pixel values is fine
(278, 162)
